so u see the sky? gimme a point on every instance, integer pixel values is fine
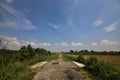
(61, 25)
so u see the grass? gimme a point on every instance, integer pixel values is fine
(101, 70)
(88, 76)
(16, 71)
(78, 69)
(100, 66)
(112, 59)
(52, 57)
(37, 69)
(68, 57)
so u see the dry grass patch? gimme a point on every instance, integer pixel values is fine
(37, 69)
(112, 59)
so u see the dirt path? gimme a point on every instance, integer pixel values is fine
(59, 70)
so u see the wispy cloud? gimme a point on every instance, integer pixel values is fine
(53, 25)
(69, 24)
(98, 22)
(14, 18)
(111, 27)
(10, 10)
(9, 1)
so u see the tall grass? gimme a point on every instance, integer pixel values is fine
(99, 69)
(16, 71)
(68, 57)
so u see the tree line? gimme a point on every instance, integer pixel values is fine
(14, 64)
(92, 52)
(24, 54)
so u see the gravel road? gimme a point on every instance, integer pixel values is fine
(59, 70)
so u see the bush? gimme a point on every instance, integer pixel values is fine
(16, 71)
(102, 71)
(80, 59)
(34, 60)
(92, 61)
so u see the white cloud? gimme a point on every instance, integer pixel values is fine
(111, 27)
(23, 42)
(76, 44)
(94, 44)
(73, 44)
(53, 25)
(64, 44)
(9, 1)
(108, 43)
(14, 18)
(46, 44)
(14, 43)
(10, 42)
(98, 22)
(35, 44)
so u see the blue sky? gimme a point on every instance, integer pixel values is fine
(61, 25)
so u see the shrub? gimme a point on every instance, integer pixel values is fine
(80, 59)
(16, 71)
(102, 71)
(78, 69)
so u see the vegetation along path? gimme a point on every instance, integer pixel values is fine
(59, 70)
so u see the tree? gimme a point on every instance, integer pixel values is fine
(84, 51)
(49, 53)
(81, 59)
(71, 51)
(24, 53)
(3, 46)
(43, 52)
(76, 51)
(31, 50)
